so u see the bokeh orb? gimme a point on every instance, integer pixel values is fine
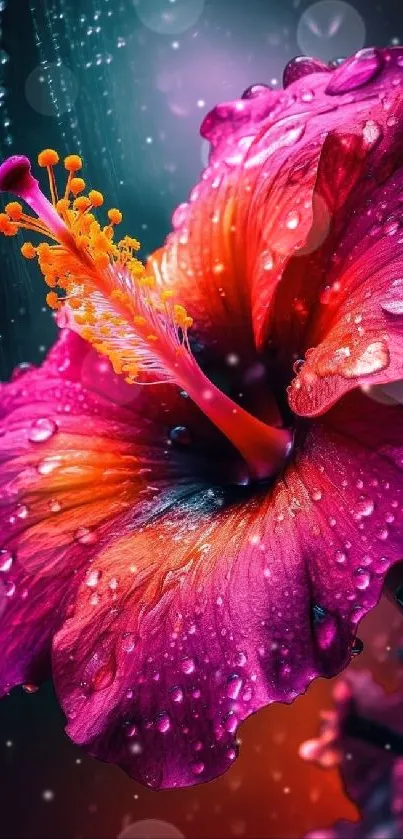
(151, 829)
(169, 17)
(51, 89)
(330, 28)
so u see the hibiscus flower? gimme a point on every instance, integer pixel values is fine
(201, 485)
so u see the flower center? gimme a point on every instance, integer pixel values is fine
(109, 298)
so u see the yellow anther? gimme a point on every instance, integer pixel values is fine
(114, 216)
(53, 300)
(138, 320)
(48, 157)
(73, 163)
(75, 302)
(180, 314)
(63, 205)
(152, 337)
(50, 280)
(167, 294)
(100, 242)
(28, 250)
(77, 185)
(101, 259)
(147, 282)
(96, 198)
(82, 203)
(14, 210)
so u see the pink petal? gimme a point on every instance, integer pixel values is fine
(79, 451)
(207, 614)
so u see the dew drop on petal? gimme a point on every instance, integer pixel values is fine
(85, 536)
(128, 642)
(188, 665)
(6, 560)
(234, 686)
(180, 435)
(362, 579)
(93, 577)
(365, 506)
(374, 358)
(177, 694)
(163, 723)
(42, 430)
(293, 220)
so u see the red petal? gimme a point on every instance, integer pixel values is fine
(79, 451)
(252, 211)
(357, 335)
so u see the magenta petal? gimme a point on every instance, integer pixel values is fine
(301, 66)
(216, 609)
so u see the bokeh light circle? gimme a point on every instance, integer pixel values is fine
(151, 829)
(51, 89)
(169, 17)
(330, 28)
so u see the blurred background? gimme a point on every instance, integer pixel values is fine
(126, 85)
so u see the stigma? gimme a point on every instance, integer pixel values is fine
(108, 296)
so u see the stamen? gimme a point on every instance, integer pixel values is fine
(127, 315)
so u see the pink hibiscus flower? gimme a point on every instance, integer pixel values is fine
(181, 552)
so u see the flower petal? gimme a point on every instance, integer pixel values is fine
(225, 604)
(253, 209)
(79, 448)
(357, 336)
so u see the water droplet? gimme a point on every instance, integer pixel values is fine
(93, 577)
(231, 722)
(198, 767)
(177, 694)
(188, 665)
(234, 686)
(355, 72)
(256, 90)
(85, 536)
(6, 560)
(357, 647)
(9, 589)
(374, 358)
(316, 495)
(362, 578)
(365, 506)
(301, 66)
(30, 688)
(293, 220)
(163, 723)
(341, 557)
(42, 430)
(180, 435)
(267, 260)
(318, 613)
(55, 505)
(128, 642)
(49, 464)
